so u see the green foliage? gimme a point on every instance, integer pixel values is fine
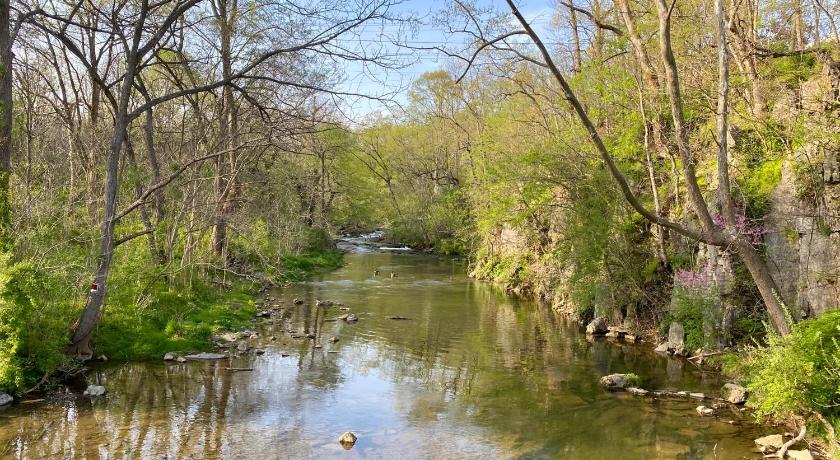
(34, 317)
(697, 309)
(632, 380)
(794, 374)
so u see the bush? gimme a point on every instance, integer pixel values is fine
(697, 309)
(795, 374)
(34, 319)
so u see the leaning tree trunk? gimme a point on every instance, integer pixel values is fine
(82, 331)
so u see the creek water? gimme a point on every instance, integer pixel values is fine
(472, 373)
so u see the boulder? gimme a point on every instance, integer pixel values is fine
(676, 339)
(661, 348)
(597, 326)
(242, 347)
(770, 443)
(205, 355)
(169, 357)
(619, 381)
(6, 399)
(347, 440)
(705, 411)
(736, 394)
(800, 454)
(94, 390)
(351, 318)
(181, 359)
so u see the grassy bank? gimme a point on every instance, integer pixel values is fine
(150, 310)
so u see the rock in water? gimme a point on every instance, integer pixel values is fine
(95, 390)
(181, 359)
(6, 399)
(770, 443)
(347, 440)
(298, 302)
(351, 318)
(619, 381)
(242, 347)
(661, 348)
(703, 410)
(206, 356)
(637, 391)
(169, 357)
(736, 394)
(598, 326)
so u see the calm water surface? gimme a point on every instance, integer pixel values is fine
(472, 374)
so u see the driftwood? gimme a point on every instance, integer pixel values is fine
(783, 451)
(239, 369)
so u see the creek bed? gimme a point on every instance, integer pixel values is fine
(466, 372)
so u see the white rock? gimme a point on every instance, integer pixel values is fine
(206, 356)
(95, 390)
(6, 399)
(703, 410)
(181, 359)
(169, 357)
(637, 391)
(800, 454)
(770, 443)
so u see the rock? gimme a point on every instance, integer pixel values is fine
(637, 391)
(770, 443)
(6, 399)
(676, 339)
(619, 381)
(263, 314)
(311, 335)
(102, 358)
(704, 411)
(661, 348)
(697, 395)
(333, 339)
(632, 338)
(347, 440)
(169, 357)
(351, 318)
(736, 394)
(273, 338)
(297, 302)
(260, 351)
(95, 390)
(597, 326)
(181, 359)
(800, 454)
(206, 356)
(242, 347)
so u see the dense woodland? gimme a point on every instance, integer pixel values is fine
(647, 162)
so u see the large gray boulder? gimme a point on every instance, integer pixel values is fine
(6, 399)
(597, 326)
(736, 394)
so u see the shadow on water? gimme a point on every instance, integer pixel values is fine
(471, 374)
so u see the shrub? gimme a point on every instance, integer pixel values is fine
(794, 374)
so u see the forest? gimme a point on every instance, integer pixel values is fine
(645, 163)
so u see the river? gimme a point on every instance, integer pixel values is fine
(472, 373)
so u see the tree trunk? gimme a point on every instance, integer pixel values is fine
(5, 126)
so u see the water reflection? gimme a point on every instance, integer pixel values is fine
(471, 374)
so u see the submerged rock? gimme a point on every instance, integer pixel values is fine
(736, 394)
(619, 381)
(6, 399)
(347, 440)
(597, 326)
(94, 390)
(206, 356)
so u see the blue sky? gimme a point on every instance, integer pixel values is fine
(369, 80)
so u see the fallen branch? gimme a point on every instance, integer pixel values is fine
(783, 451)
(239, 369)
(706, 355)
